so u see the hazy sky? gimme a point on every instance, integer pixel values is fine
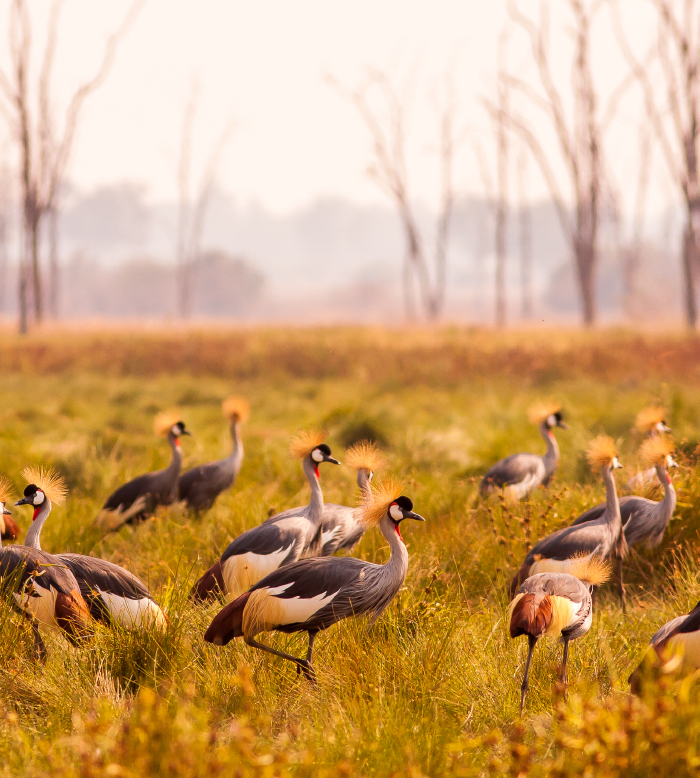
(264, 64)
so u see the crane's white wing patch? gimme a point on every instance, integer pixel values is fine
(40, 603)
(133, 614)
(265, 610)
(326, 537)
(240, 572)
(524, 487)
(688, 643)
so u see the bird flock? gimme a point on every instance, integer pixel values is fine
(282, 575)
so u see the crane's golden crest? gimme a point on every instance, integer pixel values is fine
(165, 421)
(649, 417)
(542, 410)
(236, 407)
(364, 456)
(373, 508)
(591, 568)
(304, 442)
(49, 481)
(655, 450)
(601, 451)
(6, 489)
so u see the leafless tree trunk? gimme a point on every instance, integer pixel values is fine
(54, 279)
(676, 120)
(501, 133)
(525, 237)
(389, 171)
(190, 226)
(579, 138)
(44, 151)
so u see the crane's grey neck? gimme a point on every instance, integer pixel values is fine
(612, 504)
(34, 532)
(669, 500)
(363, 481)
(176, 460)
(315, 511)
(386, 580)
(236, 456)
(551, 458)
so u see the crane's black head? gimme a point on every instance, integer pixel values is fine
(322, 453)
(556, 420)
(179, 429)
(402, 508)
(32, 496)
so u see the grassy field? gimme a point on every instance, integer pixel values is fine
(433, 688)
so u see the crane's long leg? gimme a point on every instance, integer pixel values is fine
(531, 640)
(564, 661)
(39, 647)
(621, 585)
(312, 637)
(303, 664)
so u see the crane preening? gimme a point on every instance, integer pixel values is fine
(601, 536)
(519, 474)
(137, 499)
(199, 487)
(112, 593)
(280, 540)
(313, 594)
(650, 421)
(558, 605)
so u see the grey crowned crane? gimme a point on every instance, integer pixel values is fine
(645, 521)
(313, 594)
(280, 540)
(112, 593)
(199, 487)
(558, 605)
(519, 474)
(42, 589)
(602, 536)
(342, 525)
(138, 498)
(651, 422)
(675, 644)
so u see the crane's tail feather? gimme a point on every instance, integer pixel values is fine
(210, 585)
(112, 520)
(228, 622)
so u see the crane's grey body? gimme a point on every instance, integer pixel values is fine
(146, 491)
(280, 540)
(313, 594)
(564, 585)
(643, 520)
(200, 486)
(519, 474)
(111, 593)
(602, 536)
(342, 528)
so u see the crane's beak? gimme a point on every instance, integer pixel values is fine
(330, 459)
(186, 432)
(563, 425)
(6, 512)
(412, 515)
(673, 463)
(23, 501)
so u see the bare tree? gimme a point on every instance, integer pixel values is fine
(192, 211)
(674, 116)
(44, 148)
(388, 170)
(579, 137)
(525, 236)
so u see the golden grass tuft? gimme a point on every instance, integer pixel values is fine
(304, 442)
(601, 451)
(165, 421)
(649, 417)
(236, 407)
(364, 455)
(49, 481)
(593, 569)
(6, 489)
(655, 450)
(541, 410)
(373, 510)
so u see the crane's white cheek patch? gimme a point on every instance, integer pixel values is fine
(264, 610)
(38, 498)
(42, 608)
(133, 614)
(317, 455)
(242, 571)
(395, 512)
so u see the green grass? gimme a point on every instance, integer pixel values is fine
(433, 688)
